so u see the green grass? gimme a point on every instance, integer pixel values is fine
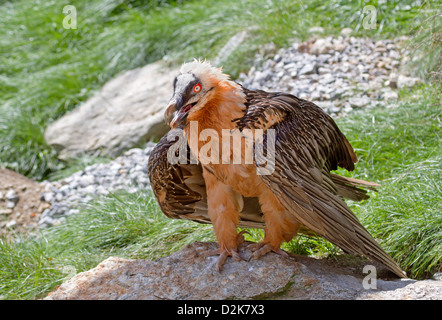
(401, 149)
(46, 70)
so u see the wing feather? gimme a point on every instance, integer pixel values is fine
(308, 146)
(180, 189)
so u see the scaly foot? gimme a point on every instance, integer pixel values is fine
(261, 248)
(223, 254)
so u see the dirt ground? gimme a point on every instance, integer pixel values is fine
(24, 216)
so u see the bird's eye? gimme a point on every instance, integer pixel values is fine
(197, 88)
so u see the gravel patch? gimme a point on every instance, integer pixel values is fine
(127, 172)
(339, 74)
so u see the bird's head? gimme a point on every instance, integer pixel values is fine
(192, 89)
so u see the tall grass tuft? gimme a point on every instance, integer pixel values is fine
(426, 44)
(400, 148)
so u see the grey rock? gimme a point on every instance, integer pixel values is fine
(64, 190)
(10, 204)
(86, 180)
(359, 102)
(47, 197)
(407, 82)
(334, 109)
(316, 29)
(5, 211)
(127, 111)
(73, 211)
(190, 274)
(307, 69)
(413, 290)
(346, 32)
(321, 46)
(11, 224)
(91, 189)
(12, 196)
(437, 276)
(390, 95)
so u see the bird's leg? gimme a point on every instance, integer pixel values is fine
(224, 215)
(280, 225)
(223, 254)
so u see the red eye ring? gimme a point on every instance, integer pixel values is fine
(197, 88)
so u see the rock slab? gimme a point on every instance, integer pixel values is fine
(126, 112)
(191, 274)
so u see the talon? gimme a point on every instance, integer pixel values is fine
(261, 248)
(255, 246)
(266, 248)
(222, 258)
(237, 256)
(209, 253)
(281, 252)
(232, 252)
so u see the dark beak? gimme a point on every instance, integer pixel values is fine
(170, 111)
(174, 115)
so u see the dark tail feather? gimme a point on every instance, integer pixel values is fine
(353, 189)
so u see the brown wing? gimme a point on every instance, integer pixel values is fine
(181, 191)
(308, 146)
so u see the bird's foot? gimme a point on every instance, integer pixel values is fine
(224, 253)
(223, 256)
(261, 248)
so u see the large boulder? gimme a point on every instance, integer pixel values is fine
(126, 112)
(190, 274)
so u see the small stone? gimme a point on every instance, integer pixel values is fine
(64, 190)
(390, 95)
(5, 211)
(321, 46)
(437, 276)
(359, 102)
(346, 32)
(73, 211)
(59, 197)
(47, 197)
(307, 69)
(11, 224)
(394, 54)
(86, 180)
(91, 189)
(339, 47)
(316, 29)
(334, 109)
(409, 82)
(101, 190)
(323, 70)
(10, 204)
(290, 66)
(12, 196)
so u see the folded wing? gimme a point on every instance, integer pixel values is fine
(308, 146)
